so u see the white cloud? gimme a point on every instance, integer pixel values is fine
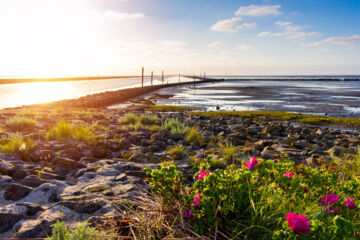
(282, 24)
(215, 45)
(338, 41)
(122, 15)
(227, 25)
(290, 31)
(258, 10)
(263, 34)
(231, 25)
(243, 47)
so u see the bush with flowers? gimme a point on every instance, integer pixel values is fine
(263, 200)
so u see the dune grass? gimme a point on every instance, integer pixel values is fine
(129, 118)
(228, 152)
(169, 108)
(195, 137)
(19, 124)
(16, 143)
(304, 118)
(148, 119)
(64, 130)
(177, 152)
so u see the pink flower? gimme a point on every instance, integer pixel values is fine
(288, 175)
(203, 174)
(252, 163)
(305, 190)
(330, 199)
(350, 203)
(197, 199)
(298, 223)
(187, 212)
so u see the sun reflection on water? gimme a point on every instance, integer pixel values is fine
(40, 92)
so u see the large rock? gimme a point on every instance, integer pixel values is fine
(8, 220)
(16, 192)
(42, 155)
(5, 167)
(32, 181)
(5, 181)
(19, 173)
(83, 204)
(68, 164)
(44, 194)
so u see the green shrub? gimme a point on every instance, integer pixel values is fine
(129, 119)
(82, 232)
(253, 201)
(148, 119)
(195, 137)
(20, 124)
(64, 130)
(177, 152)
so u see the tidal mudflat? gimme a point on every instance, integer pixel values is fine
(327, 98)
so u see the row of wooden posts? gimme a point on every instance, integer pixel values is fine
(162, 77)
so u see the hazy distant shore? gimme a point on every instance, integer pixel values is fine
(64, 79)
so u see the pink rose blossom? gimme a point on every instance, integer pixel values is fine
(298, 223)
(197, 199)
(187, 212)
(203, 174)
(330, 199)
(252, 163)
(288, 175)
(350, 203)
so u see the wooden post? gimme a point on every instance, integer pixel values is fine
(142, 77)
(162, 77)
(204, 75)
(179, 77)
(152, 77)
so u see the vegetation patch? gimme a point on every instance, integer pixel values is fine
(82, 232)
(195, 137)
(263, 200)
(19, 124)
(177, 152)
(304, 118)
(170, 108)
(64, 130)
(148, 119)
(16, 143)
(129, 118)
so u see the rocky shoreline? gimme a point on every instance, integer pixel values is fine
(74, 181)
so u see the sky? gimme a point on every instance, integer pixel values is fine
(52, 38)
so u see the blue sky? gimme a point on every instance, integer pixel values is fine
(87, 37)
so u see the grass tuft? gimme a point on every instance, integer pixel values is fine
(16, 143)
(64, 130)
(195, 137)
(148, 119)
(177, 152)
(129, 119)
(228, 152)
(20, 124)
